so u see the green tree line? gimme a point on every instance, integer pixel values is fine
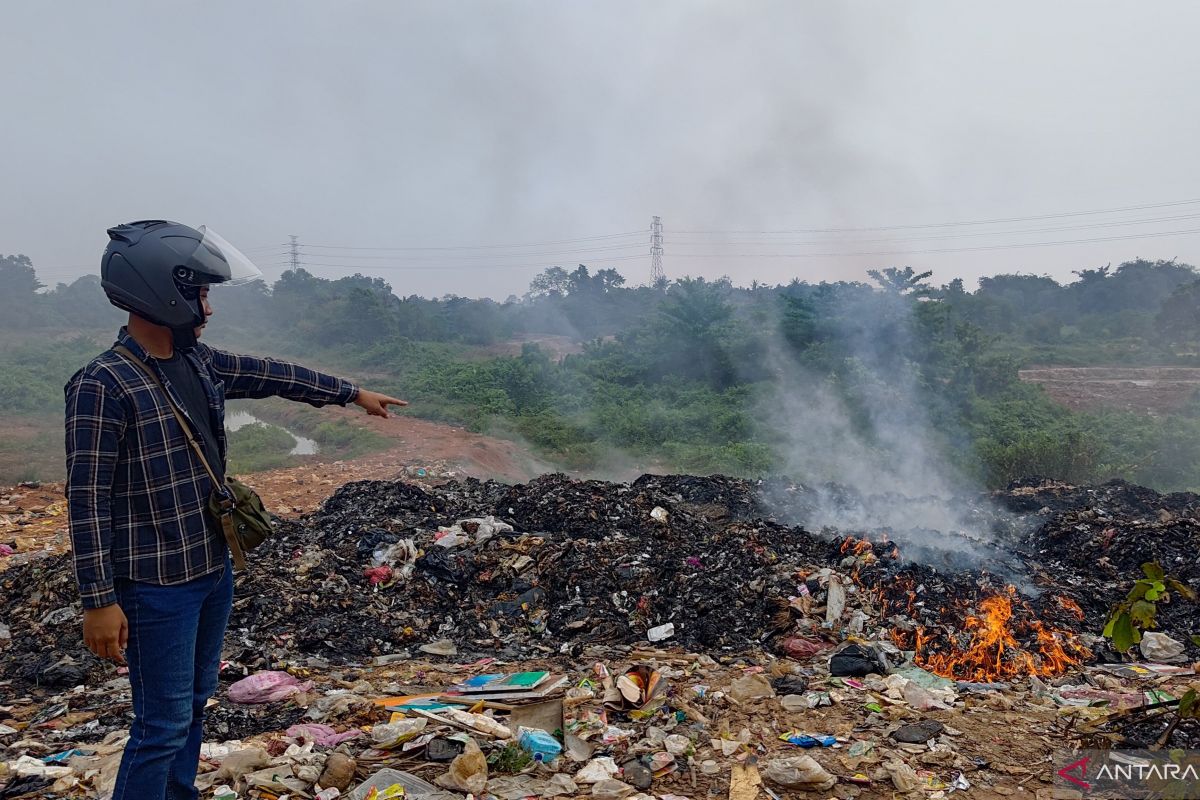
(684, 375)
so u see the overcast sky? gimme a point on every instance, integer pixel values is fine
(388, 124)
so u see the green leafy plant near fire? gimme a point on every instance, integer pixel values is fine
(1135, 614)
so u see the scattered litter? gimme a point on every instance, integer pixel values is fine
(807, 741)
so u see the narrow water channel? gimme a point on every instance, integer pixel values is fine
(239, 419)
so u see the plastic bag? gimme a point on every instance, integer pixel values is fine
(241, 762)
(596, 770)
(751, 687)
(835, 602)
(468, 773)
(267, 687)
(1161, 649)
(322, 735)
(799, 772)
(392, 734)
(802, 648)
(480, 722)
(921, 699)
(855, 661)
(609, 789)
(904, 777)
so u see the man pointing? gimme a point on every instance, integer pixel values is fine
(152, 563)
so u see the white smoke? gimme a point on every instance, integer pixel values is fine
(865, 452)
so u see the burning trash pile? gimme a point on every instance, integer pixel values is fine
(569, 637)
(387, 570)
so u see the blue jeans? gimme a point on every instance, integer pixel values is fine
(174, 655)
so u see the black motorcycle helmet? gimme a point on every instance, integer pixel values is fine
(155, 269)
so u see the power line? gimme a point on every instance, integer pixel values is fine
(994, 221)
(633, 235)
(477, 256)
(390, 267)
(482, 246)
(972, 234)
(1008, 246)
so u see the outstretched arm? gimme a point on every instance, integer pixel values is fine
(254, 377)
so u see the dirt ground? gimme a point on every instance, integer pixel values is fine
(1148, 390)
(442, 451)
(31, 447)
(33, 518)
(1006, 745)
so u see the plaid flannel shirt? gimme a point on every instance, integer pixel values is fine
(136, 492)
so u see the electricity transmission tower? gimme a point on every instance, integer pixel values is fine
(295, 253)
(657, 276)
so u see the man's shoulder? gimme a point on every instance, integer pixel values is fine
(203, 352)
(110, 369)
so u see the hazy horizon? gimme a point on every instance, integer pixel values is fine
(519, 137)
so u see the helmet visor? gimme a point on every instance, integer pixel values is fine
(217, 261)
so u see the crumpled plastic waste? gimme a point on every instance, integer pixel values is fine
(267, 687)
(751, 687)
(798, 772)
(609, 789)
(322, 735)
(468, 772)
(470, 531)
(677, 745)
(28, 766)
(395, 562)
(596, 770)
(807, 740)
(904, 777)
(393, 734)
(1162, 649)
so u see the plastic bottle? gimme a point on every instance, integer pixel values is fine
(541, 745)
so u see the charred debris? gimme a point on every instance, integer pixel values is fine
(386, 570)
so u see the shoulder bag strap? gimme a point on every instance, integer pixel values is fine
(235, 546)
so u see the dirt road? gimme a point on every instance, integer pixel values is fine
(1147, 390)
(439, 450)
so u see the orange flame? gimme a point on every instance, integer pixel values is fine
(994, 652)
(1070, 606)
